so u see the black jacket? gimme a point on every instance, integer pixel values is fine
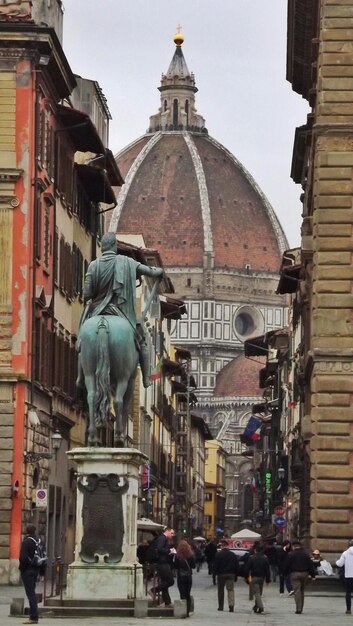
(210, 551)
(299, 561)
(28, 547)
(282, 559)
(163, 549)
(226, 563)
(258, 566)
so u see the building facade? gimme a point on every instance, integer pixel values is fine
(49, 221)
(319, 67)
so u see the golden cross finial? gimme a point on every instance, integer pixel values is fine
(179, 29)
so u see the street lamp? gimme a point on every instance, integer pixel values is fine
(281, 472)
(34, 457)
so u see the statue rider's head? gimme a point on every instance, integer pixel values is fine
(108, 242)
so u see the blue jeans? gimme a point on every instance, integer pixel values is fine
(29, 579)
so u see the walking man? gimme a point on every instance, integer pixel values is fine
(257, 570)
(29, 572)
(300, 567)
(282, 558)
(226, 568)
(166, 578)
(346, 561)
(210, 554)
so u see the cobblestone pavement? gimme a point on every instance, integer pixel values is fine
(319, 609)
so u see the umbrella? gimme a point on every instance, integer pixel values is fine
(199, 539)
(246, 534)
(147, 524)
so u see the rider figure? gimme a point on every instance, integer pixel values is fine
(110, 289)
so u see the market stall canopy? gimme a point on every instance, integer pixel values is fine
(246, 534)
(147, 524)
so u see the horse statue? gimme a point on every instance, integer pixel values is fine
(109, 359)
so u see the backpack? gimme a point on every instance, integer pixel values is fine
(151, 555)
(39, 558)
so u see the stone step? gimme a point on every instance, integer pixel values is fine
(90, 608)
(117, 603)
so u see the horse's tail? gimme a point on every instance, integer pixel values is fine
(102, 376)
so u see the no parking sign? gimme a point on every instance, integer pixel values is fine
(41, 498)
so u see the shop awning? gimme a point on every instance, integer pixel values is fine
(172, 308)
(81, 130)
(96, 183)
(290, 277)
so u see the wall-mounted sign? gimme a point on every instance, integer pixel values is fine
(41, 498)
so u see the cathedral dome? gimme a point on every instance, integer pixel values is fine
(188, 195)
(240, 378)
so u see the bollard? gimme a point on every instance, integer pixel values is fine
(140, 607)
(179, 608)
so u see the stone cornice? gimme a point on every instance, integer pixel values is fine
(9, 174)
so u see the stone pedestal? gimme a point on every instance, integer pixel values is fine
(114, 573)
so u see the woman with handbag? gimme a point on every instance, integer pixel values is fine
(184, 563)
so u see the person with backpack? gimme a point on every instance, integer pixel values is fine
(163, 553)
(29, 567)
(184, 563)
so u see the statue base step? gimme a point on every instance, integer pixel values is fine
(104, 581)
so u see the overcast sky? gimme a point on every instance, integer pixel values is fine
(237, 51)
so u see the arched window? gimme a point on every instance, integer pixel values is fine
(187, 112)
(175, 114)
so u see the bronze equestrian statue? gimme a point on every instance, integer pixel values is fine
(111, 342)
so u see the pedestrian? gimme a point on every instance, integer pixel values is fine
(184, 563)
(282, 558)
(29, 572)
(163, 560)
(198, 556)
(257, 570)
(346, 561)
(271, 551)
(300, 567)
(210, 554)
(226, 568)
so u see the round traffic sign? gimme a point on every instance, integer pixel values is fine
(280, 521)
(41, 494)
(279, 511)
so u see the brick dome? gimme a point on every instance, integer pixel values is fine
(188, 195)
(239, 378)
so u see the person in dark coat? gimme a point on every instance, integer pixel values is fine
(257, 570)
(300, 567)
(226, 568)
(29, 572)
(210, 554)
(282, 559)
(271, 551)
(166, 578)
(184, 563)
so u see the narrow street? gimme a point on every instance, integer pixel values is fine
(319, 610)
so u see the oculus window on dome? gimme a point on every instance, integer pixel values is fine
(248, 321)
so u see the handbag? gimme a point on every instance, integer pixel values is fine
(185, 573)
